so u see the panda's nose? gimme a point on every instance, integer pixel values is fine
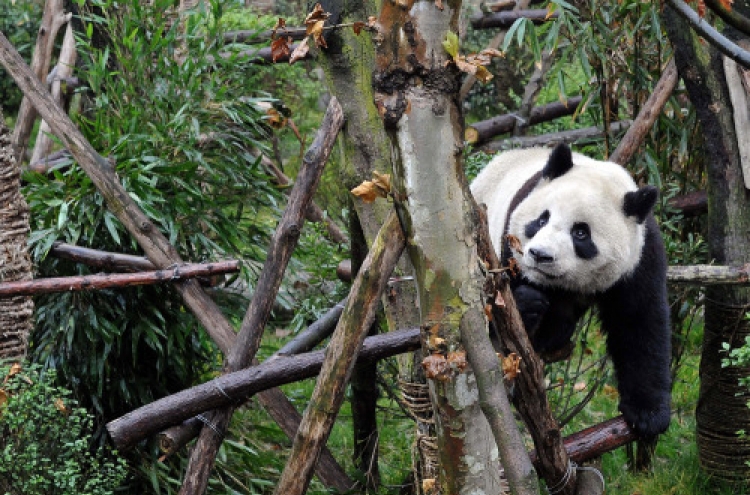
(541, 256)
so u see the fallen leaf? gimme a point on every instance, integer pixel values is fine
(457, 359)
(515, 244)
(300, 51)
(383, 182)
(488, 311)
(499, 301)
(60, 406)
(358, 27)
(436, 367)
(367, 191)
(280, 24)
(610, 391)
(511, 366)
(280, 48)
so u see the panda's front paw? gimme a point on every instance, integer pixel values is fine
(532, 304)
(647, 422)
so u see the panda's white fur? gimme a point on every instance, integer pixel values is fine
(591, 192)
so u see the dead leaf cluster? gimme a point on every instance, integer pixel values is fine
(369, 190)
(473, 64)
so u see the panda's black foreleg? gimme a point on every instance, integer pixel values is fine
(635, 316)
(532, 304)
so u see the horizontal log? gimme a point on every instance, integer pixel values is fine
(506, 19)
(107, 280)
(485, 130)
(595, 440)
(247, 36)
(554, 138)
(709, 275)
(234, 388)
(105, 260)
(691, 204)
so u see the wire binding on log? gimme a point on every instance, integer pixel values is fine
(208, 423)
(558, 488)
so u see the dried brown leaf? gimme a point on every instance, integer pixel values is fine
(701, 9)
(275, 119)
(383, 182)
(511, 366)
(358, 26)
(457, 359)
(367, 191)
(280, 48)
(60, 406)
(317, 14)
(3, 397)
(280, 24)
(515, 244)
(726, 4)
(488, 311)
(436, 367)
(300, 51)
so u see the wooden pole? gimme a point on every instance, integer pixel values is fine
(108, 280)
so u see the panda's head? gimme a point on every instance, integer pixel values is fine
(582, 227)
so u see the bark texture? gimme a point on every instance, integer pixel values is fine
(722, 405)
(416, 95)
(16, 313)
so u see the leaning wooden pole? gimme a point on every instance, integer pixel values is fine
(248, 340)
(647, 116)
(341, 355)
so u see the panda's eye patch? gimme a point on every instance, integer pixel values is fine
(582, 243)
(535, 226)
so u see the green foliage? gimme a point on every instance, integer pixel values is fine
(45, 441)
(18, 22)
(183, 138)
(738, 356)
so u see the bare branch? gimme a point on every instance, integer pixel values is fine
(710, 34)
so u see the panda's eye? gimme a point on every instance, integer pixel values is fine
(581, 232)
(543, 219)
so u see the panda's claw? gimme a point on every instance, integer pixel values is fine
(647, 423)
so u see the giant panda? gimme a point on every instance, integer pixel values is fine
(587, 237)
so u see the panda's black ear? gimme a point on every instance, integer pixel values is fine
(639, 203)
(559, 162)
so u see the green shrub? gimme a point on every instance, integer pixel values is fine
(45, 440)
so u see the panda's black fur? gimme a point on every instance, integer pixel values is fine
(595, 217)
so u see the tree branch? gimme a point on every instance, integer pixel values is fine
(704, 29)
(730, 16)
(647, 116)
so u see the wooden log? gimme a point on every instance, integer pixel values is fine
(647, 116)
(314, 334)
(530, 398)
(554, 138)
(247, 36)
(484, 130)
(341, 357)
(506, 19)
(691, 204)
(709, 275)
(105, 260)
(236, 387)
(595, 440)
(108, 280)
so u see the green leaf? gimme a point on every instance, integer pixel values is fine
(451, 44)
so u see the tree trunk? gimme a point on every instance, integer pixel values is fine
(722, 404)
(16, 313)
(416, 95)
